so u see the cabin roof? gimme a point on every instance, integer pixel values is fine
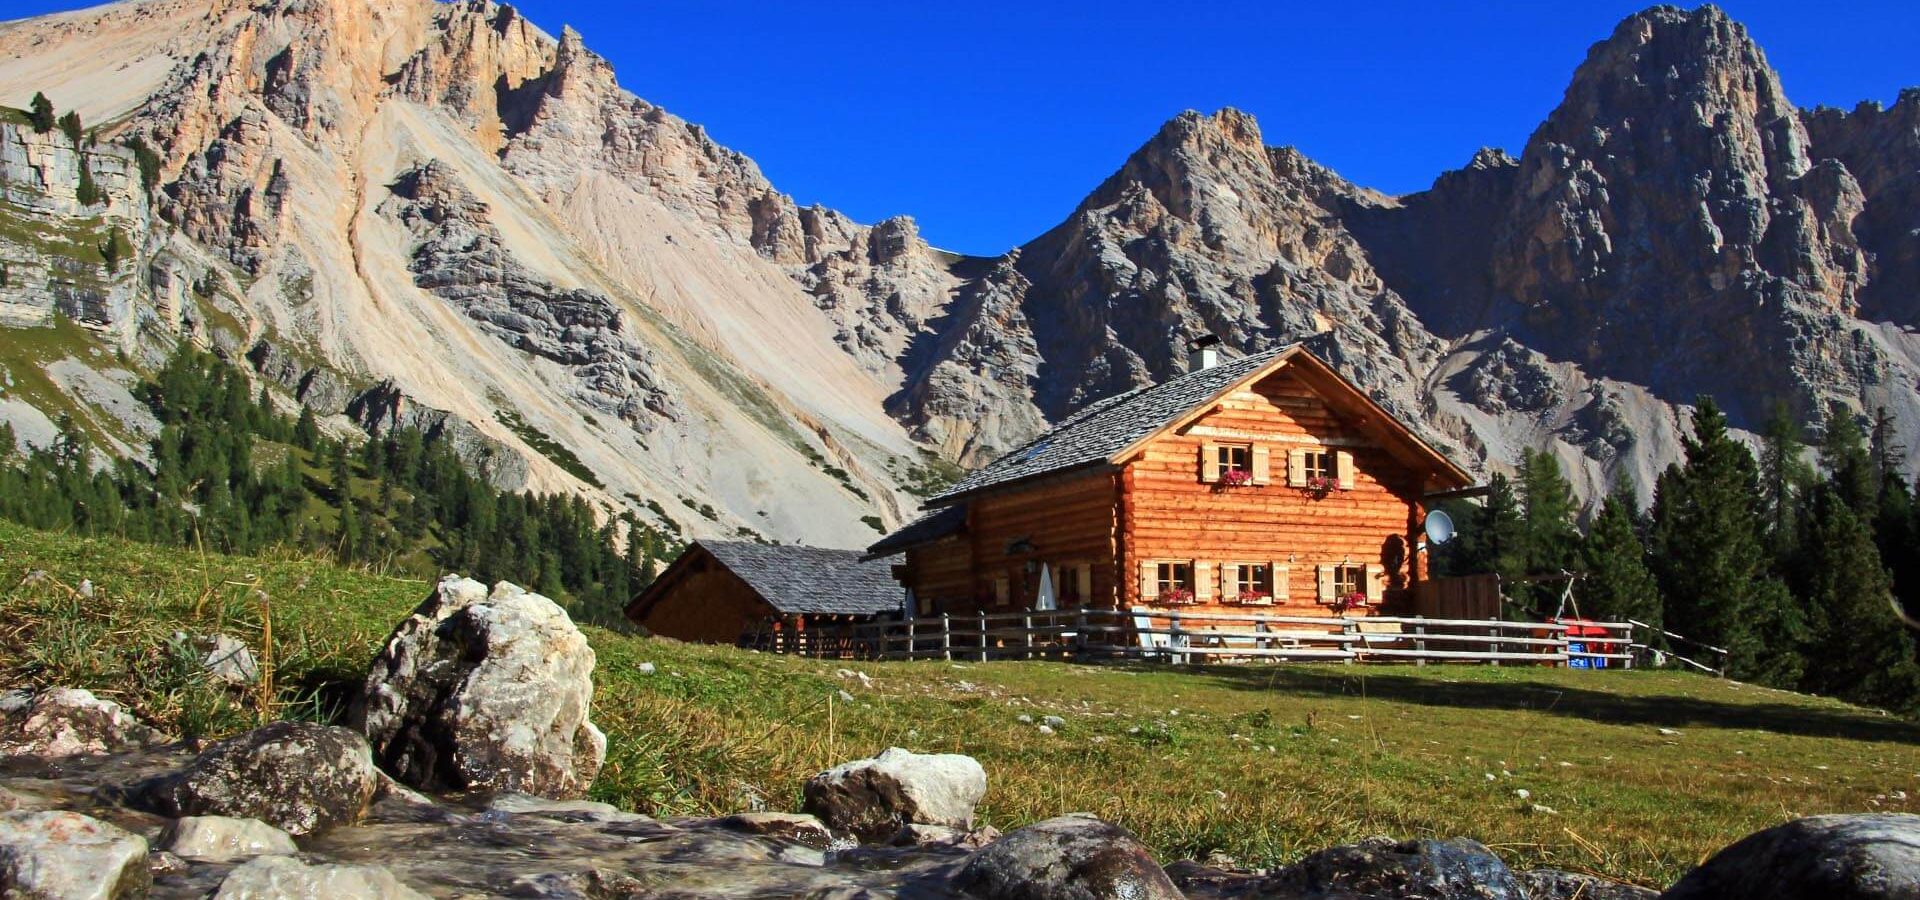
(1108, 426)
(794, 579)
(924, 530)
(1108, 429)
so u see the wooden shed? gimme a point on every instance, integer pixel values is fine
(1266, 483)
(718, 591)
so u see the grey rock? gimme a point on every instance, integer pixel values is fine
(221, 838)
(941, 836)
(67, 856)
(286, 878)
(462, 258)
(484, 691)
(873, 798)
(1074, 857)
(383, 408)
(227, 659)
(1842, 857)
(1410, 870)
(300, 777)
(1553, 884)
(59, 722)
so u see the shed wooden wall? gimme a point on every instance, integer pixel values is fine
(1168, 512)
(708, 605)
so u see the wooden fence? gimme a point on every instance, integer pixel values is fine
(1173, 636)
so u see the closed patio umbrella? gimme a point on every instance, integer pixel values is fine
(1045, 600)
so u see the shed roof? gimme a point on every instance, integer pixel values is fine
(795, 579)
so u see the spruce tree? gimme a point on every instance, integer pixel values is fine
(1785, 477)
(1707, 554)
(40, 113)
(1858, 649)
(1849, 465)
(71, 127)
(1618, 585)
(1547, 508)
(306, 432)
(1496, 538)
(88, 193)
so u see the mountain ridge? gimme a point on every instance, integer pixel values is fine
(583, 263)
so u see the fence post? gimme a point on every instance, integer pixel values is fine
(946, 637)
(1176, 640)
(1080, 633)
(1348, 628)
(983, 635)
(1027, 622)
(1420, 643)
(1493, 631)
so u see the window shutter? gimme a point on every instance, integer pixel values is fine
(1203, 581)
(1229, 580)
(1261, 463)
(1297, 468)
(1149, 580)
(1083, 580)
(1280, 577)
(1376, 582)
(1209, 463)
(1343, 468)
(1327, 587)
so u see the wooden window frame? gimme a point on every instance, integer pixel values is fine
(1320, 469)
(1235, 583)
(1159, 577)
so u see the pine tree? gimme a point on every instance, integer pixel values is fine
(306, 432)
(1551, 542)
(1495, 539)
(148, 161)
(1707, 553)
(1618, 585)
(1858, 648)
(88, 193)
(40, 113)
(1785, 478)
(71, 127)
(1850, 467)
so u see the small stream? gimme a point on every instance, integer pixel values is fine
(460, 847)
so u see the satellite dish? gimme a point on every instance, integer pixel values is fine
(1439, 527)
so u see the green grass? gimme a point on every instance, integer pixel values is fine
(24, 355)
(1263, 763)
(546, 446)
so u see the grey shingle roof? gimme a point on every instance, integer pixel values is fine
(1108, 426)
(813, 580)
(930, 527)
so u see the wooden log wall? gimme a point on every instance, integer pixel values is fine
(1169, 512)
(1061, 522)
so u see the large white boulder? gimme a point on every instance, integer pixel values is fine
(69, 856)
(484, 691)
(875, 798)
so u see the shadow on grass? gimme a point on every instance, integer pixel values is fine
(1671, 710)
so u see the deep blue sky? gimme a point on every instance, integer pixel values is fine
(989, 123)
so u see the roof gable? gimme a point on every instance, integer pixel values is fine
(1110, 431)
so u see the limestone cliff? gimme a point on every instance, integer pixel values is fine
(410, 212)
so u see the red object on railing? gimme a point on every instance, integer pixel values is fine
(1587, 642)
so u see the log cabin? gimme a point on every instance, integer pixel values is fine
(1263, 484)
(718, 592)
